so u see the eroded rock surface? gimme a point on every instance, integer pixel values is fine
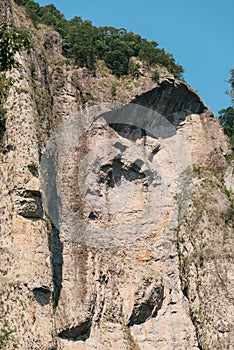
(128, 242)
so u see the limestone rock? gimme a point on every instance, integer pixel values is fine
(116, 227)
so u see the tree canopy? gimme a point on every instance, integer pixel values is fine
(226, 115)
(85, 43)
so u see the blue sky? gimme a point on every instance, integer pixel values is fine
(199, 34)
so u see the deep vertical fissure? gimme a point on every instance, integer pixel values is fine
(57, 263)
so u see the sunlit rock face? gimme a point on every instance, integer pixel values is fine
(115, 226)
(117, 179)
(116, 216)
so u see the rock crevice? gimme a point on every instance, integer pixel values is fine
(95, 257)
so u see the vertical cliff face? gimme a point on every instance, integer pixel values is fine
(116, 225)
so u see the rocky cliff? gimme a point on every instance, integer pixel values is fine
(116, 210)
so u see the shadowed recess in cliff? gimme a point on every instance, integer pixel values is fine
(77, 333)
(57, 263)
(134, 121)
(55, 244)
(171, 100)
(42, 295)
(148, 301)
(112, 174)
(157, 112)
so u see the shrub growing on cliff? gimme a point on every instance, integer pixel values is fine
(155, 76)
(11, 41)
(227, 120)
(7, 339)
(226, 115)
(113, 90)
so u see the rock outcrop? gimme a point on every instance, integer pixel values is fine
(116, 226)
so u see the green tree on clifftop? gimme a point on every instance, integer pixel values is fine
(85, 43)
(226, 115)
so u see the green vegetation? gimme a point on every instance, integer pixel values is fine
(226, 116)
(85, 43)
(12, 40)
(215, 180)
(228, 215)
(227, 120)
(231, 82)
(4, 87)
(113, 90)
(155, 76)
(128, 337)
(133, 69)
(6, 338)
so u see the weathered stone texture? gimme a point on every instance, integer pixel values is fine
(142, 255)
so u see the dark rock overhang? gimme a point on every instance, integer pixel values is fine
(171, 97)
(158, 112)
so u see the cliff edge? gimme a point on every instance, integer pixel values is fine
(116, 226)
